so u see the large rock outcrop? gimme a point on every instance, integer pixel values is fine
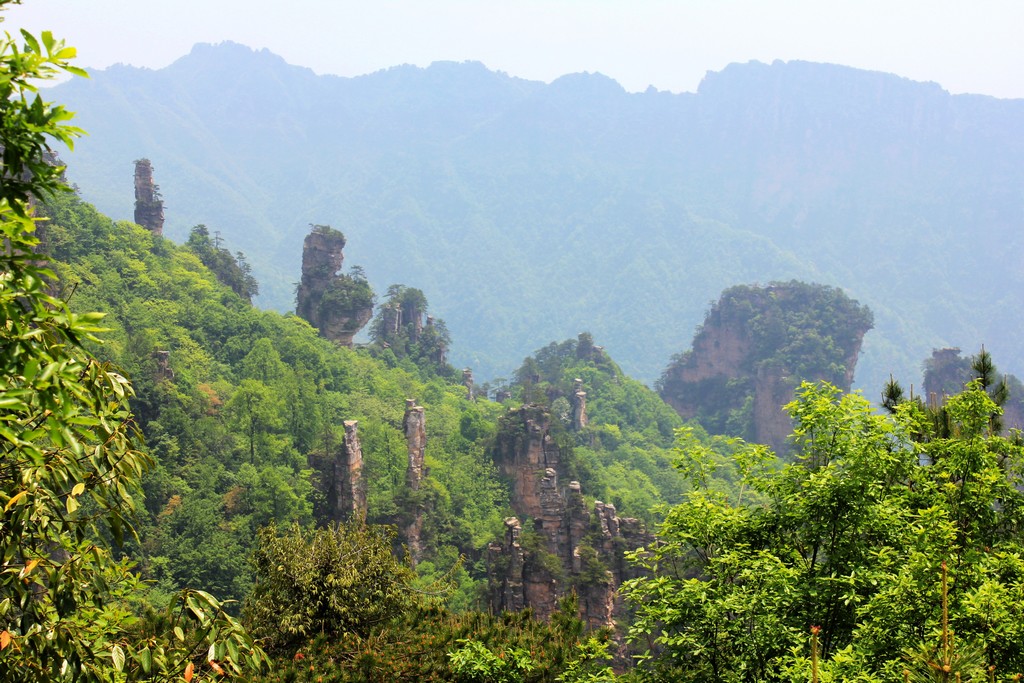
(555, 544)
(755, 346)
(337, 305)
(149, 207)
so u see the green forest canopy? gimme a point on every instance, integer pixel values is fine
(235, 404)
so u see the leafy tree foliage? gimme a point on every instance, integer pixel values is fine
(335, 604)
(473, 662)
(947, 373)
(402, 330)
(850, 539)
(348, 292)
(431, 644)
(327, 581)
(232, 270)
(69, 450)
(28, 121)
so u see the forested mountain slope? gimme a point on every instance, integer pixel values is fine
(246, 413)
(530, 211)
(755, 347)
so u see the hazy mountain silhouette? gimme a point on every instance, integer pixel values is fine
(528, 211)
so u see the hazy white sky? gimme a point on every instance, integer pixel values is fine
(964, 45)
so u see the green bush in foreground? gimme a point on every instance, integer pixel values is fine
(849, 539)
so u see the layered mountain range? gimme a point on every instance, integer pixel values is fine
(528, 211)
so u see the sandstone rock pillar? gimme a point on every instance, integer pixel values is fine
(149, 207)
(350, 491)
(505, 570)
(579, 406)
(414, 426)
(327, 300)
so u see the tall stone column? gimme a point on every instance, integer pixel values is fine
(149, 207)
(350, 490)
(579, 406)
(505, 562)
(414, 425)
(324, 297)
(392, 320)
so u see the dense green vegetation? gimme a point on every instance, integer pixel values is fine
(231, 270)
(891, 546)
(70, 462)
(244, 402)
(624, 454)
(236, 404)
(884, 535)
(239, 406)
(797, 330)
(335, 605)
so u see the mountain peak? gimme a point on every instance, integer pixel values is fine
(232, 56)
(811, 77)
(587, 82)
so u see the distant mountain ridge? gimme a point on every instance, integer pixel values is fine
(528, 211)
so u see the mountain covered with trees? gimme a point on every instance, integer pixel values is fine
(756, 346)
(240, 409)
(367, 513)
(526, 210)
(250, 419)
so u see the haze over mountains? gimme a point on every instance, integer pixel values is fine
(528, 212)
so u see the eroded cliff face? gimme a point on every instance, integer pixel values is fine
(755, 347)
(525, 451)
(337, 305)
(722, 349)
(555, 544)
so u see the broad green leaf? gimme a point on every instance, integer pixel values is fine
(145, 659)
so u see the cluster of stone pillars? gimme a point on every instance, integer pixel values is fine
(345, 486)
